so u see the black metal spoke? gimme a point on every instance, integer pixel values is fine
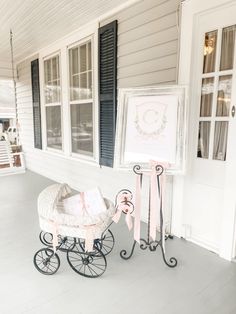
(84, 262)
(90, 268)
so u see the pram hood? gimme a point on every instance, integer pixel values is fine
(51, 208)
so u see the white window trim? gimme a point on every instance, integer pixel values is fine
(44, 105)
(94, 99)
(61, 47)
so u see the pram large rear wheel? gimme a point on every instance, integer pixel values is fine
(88, 264)
(46, 261)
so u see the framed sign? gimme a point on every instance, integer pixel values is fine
(151, 125)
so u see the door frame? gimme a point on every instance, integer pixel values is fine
(191, 11)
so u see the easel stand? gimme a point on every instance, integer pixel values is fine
(148, 243)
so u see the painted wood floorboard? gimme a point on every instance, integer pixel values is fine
(202, 283)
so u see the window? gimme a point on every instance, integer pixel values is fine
(81, 99)
(52, 98)
(218, 54)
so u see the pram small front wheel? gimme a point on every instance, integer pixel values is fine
(46, 261)
(88, 264)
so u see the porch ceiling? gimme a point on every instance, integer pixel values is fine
(37, 23)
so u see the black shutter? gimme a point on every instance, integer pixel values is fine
(107, 55)
(36, 104)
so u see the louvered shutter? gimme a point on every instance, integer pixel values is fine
(107, 50)
(36, 104)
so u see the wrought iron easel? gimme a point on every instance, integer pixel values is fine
(147, 243)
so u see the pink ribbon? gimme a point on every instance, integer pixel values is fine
(156, 201)
(88, 235)
(84, 206)
(162, 200)
(89, 240)
(137, 213)
(54, 236)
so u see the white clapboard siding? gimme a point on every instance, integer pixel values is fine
(147, 55)
(147, 43)
(6, 69)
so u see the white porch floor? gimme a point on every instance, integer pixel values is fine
(202, 283)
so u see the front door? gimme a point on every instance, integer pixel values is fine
(210, 183)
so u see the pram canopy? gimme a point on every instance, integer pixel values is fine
(53, 214)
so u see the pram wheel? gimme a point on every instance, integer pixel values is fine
(105, 244)
(88, 264)
(64, 243)
(46, 261)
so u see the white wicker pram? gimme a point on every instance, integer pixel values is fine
(85, 239)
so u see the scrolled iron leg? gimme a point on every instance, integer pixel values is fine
(123, 253)
(172, 261)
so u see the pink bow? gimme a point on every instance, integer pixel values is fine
(124, 204)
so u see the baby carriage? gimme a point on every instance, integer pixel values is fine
(86, 240)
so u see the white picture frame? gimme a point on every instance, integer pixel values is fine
(151, 125)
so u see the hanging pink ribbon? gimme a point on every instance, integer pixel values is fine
(157, 199)
(89, 240)
(154, 201)
(88, 235)
(162, 199)
(84, 206)
(54, 236)
(137, 213)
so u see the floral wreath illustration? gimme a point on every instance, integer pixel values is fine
(152, 121)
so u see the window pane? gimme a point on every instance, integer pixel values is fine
(83, 63)
(82, 128)
(227, 48)
(74, 88)
(53, 123)
(48, 92)
(74, 61)
(210, 52)
(83, 86)
(220, 140)
(89, 56)
(89, 90)
(56, 91)
(203, 139)
(52, 90)
(55, 70)
(224, 96)
(47, 71)
(207, 97)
